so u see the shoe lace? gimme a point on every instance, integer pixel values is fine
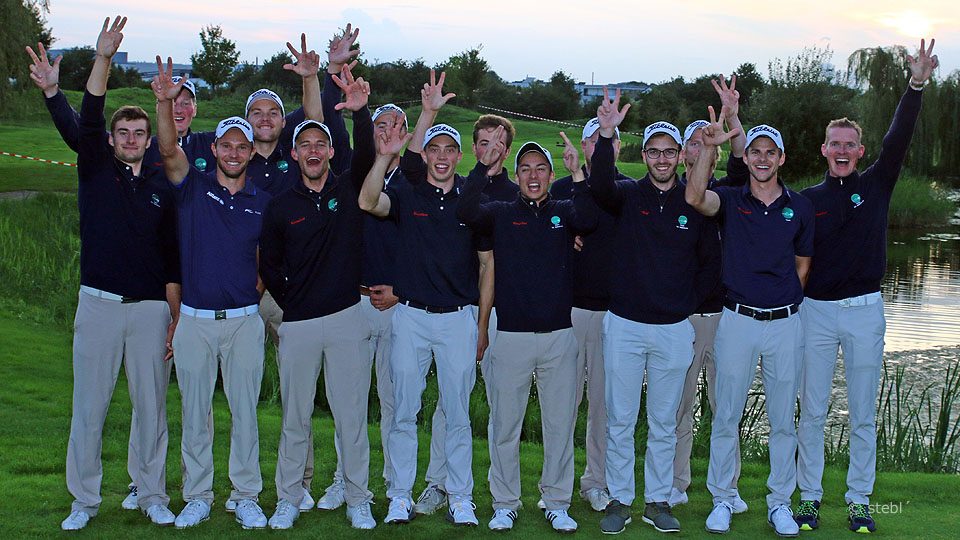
(501, 512)
(460, 505)
(284, 508)
(194, 509)
(363, 509)
(859, 511)
(807, 508)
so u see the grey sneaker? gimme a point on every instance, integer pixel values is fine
(159, 514)
(130, 501)
(432, 499)
(616, 519)
(75, 521)
(658, 514)
(598, 498)
(360, 516)
(250, 515)
(333, 496)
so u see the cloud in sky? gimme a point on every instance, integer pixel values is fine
(608, 41)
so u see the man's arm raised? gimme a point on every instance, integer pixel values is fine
(697, 195)
(107, 44)
(433, 99)
(307, 66)
(174, 160)
(602, 181)
(372, 198)
(730, 101)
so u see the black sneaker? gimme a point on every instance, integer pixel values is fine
(859, 517)
(658, 514)
(616, 519)
(807, 515)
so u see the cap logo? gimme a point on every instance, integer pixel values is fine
(436, 130)
(768, 129)
(661, 125)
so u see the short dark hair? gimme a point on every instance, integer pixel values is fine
(489, 121)
(842, 123)
(130, 112)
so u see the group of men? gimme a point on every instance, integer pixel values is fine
(364, 256)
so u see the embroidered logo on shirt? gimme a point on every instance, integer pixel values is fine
(555, 220)
(682, 222)
(214, 197)
(332, 205)
(744, 211)
(519, 222)
(200, 163)
(155, 200)
(294, 222)
(857, 200)
(420, 214)
(283, 165)
(251, 211)
(787, 213)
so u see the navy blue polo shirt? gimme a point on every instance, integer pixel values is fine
(711, 301)
(277, 172)
(309, 256)
(437, 262)
(851, 214)
(127, 223)
(219, 233)
(380, 242)
(500, 188)
(591, 264)
(534, 276)
(660, 270)
(761, 243)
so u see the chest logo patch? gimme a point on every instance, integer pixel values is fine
(787, 213)
(155, 200)
(555, 221)
(283, 165)
(682, 222)
(200, 163)
(856, 199)
(332, 205)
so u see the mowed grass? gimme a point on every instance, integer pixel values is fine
(36, 400)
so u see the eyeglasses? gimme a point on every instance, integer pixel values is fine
(654, 153)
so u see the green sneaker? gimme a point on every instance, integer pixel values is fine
(808, 515)
(616, 519)
(658, 514)
(859, 517)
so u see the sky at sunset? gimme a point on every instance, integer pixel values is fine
(609, 41)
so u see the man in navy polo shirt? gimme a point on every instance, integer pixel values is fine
(310, 263)
(219, 217)
(767, 233)
(657, 281)
(591, 298)
(843, 308)
(532, 235)
(707, 315)
(436, 282)
(128, 292)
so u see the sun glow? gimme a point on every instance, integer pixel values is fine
(909, 23)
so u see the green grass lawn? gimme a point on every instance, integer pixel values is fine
(36, 398)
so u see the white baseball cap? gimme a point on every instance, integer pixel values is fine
(532, 147)
(187, 85)
(592, 127)
(263, 93)
(311, 124)
(764, 130)
(390, 108)
(661, 127)
(235, 122)
(441, 129)
(692, 128)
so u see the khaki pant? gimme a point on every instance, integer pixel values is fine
(339, 343)
(106, 333)
(517, 358)
(587, 326)
(235, 345)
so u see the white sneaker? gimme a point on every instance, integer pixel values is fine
(250, 516)
(75, 521)
(284, 516)
(400, 511)
(461, 512)
(360, 516)
(502, 520)
(598, 498)
(160, 515)
(781, 519)
(130, 501)
(677, 498)
(432, 499)
(193, 513)
(561, 521)
(542, 505)
(739, 505)
(333, 496)
(719, 519)
(307, 503)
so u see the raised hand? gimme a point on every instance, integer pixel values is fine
(393, 138)
(713, 134)
(356, 92)
(44, 75)
(610, 114)
(432, 96)
(571, 156)
(494, 151)
(163, 86)
(109, 39)
(729, 96)
(339, 52)
(921, 67)
(308, 62)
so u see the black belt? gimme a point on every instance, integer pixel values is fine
(431, 309)
(762, 314)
